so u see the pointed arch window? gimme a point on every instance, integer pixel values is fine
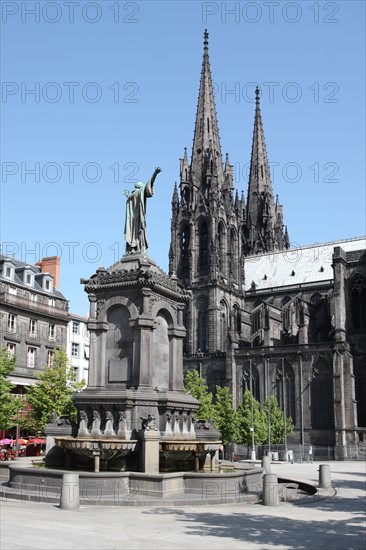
(223, 326)
(358, 302)
(360, 387)
(286, 313)
(244, 242)
(184, 247)
(203, 249)
(202, 325)
(285, 389)
(237, 318)
(220, 249)
(256, 316)
(232, 255)
(255, 381)
(322, 413)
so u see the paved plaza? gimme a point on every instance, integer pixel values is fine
(335, 520)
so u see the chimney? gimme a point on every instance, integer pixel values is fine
(51, 265)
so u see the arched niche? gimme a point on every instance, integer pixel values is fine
(119, 345)
(117, 301)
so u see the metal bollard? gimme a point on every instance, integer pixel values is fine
(266, 464)
(324, 476)
(70, 492)
(270, 490)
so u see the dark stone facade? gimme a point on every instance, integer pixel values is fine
(254, 298)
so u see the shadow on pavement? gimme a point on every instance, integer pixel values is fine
(263, 529)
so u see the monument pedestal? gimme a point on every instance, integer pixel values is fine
(135, 389)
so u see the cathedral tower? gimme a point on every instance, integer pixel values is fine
(264, 231)
(207, 223)
(212, 231)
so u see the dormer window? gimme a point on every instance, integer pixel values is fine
(47, 284)
(8, 272)
(28, 279)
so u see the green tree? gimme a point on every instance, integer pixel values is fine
(9, 403)
(226, 420)
(244, 413)
(277, 422)
(196, 386)
(54, 391)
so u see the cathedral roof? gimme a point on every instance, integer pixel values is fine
(296, 266)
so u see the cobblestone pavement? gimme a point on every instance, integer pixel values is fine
(333, 519)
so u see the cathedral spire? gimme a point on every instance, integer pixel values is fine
(261, 216)
(206, 151)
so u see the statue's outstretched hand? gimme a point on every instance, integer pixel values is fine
(157, 171)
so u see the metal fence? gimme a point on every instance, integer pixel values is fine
(355, 452)
(297, 453)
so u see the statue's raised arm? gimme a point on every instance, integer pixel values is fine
(149, 187)
(135, 223)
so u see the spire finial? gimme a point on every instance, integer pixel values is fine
(257, 94)
(205, 40)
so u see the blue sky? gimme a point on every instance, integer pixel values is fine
(116, 86)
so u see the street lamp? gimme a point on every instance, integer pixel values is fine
(266, 365)
(253, 457)
(284, 405)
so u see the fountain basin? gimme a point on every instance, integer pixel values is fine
(104, 450)
(135, 488)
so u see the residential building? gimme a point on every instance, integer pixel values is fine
(33, 315)
(78, 345)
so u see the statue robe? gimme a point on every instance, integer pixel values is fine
(135, 223)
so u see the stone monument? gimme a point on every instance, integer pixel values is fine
(134, 414)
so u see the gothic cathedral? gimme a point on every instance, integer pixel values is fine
(296, 316)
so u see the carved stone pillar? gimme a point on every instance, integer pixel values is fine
(150, 451)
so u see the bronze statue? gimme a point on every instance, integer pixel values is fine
(135, 223)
